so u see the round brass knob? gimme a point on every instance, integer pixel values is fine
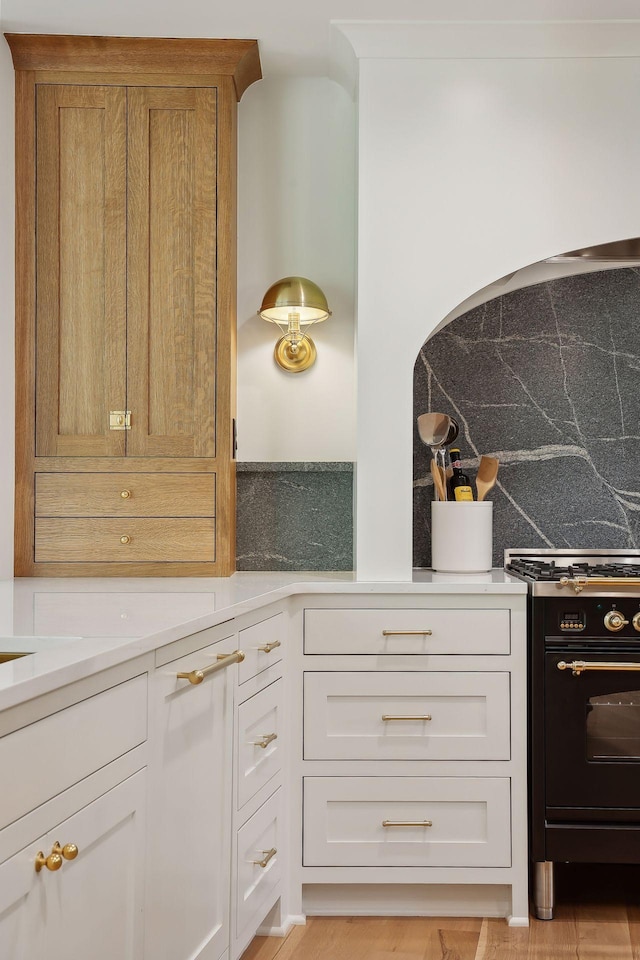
(125, 494)
(125, 539)
(69, 851)
(636, 621)
(52, 862)
(614, 621)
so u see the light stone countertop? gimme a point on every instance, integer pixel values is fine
(76, 627)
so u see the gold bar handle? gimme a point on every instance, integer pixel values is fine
(579, 583)
(390, 716)
(223, 660)
(265, 741)
(407, 823)
(268, 647)
(406, 633)
(579, 666)
(268, 855)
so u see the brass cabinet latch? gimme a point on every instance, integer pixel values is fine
(120, 420)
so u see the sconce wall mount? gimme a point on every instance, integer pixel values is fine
(294, 303)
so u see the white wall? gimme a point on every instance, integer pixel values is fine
(296, 216)
(6, 309)
(468, 170)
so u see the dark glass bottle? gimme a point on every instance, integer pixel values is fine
(459, 483)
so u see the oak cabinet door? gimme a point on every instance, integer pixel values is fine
(171, 272)
(81, 319)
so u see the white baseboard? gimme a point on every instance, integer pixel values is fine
(282, 929)
(408, 900)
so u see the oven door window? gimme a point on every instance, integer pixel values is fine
(613, 726)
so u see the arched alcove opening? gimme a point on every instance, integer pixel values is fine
(544, 377)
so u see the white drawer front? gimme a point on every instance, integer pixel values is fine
(259, 869)
(262, 644)
(382, 716)
(58, 751)
(469, 816)
(407, 631)
(259, 743)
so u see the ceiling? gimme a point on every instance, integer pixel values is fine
(294, 35)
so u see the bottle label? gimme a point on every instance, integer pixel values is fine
(463, 493)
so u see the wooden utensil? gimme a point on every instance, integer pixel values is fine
(487, 475)
(438, 482)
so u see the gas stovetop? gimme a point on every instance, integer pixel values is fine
(607, 573)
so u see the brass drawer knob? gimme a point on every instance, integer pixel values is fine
(125, 539)
(69, 851)
(125, 494)
(52, 862)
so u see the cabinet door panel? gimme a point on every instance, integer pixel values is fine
(171, 270)
(80, 269)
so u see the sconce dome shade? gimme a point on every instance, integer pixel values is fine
(294, 294)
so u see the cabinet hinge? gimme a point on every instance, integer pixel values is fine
(120, 420)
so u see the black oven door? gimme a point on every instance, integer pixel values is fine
(592, 735)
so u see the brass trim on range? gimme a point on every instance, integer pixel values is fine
(579, 583)
(268, 855)
(223, 660)
(407, 823)
(268, 647)
(406, 633)
(580, 666)
(265, 740)
(390, 716)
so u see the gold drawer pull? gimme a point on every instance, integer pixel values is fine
(125, 539)
(407, 823)
(390, 716)
(578, 666)
(69, 851)
(268, 855)
(125, 494)
(406, 633)
(52, 862)
(268, 647)
(266, 740)
(223, 660)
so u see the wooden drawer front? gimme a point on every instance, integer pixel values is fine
(257, 886)
(343, 716)
(343, 822)
(58, 751)
(71, 540)
(412, 631)
(259, 718)
(263, 644)
(125, 495)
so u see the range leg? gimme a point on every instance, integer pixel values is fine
(543, 893)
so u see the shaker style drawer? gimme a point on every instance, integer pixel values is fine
(259, 743)
(125, 540)
(59, 750)
(406, 631)
(262, 645)
(406, 716)
(258, 863)
(125, 495)
(407, 821)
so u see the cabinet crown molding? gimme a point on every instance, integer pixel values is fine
(238, 59)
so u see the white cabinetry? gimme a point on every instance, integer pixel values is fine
(410, 763)
(72, 864)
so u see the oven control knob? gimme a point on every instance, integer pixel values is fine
(614, 621)
(636, 622)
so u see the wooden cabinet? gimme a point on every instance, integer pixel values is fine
(126, 302)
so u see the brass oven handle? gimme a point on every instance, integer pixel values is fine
(265, 741)
(224, 660)
(406, 633)
(268, 647)
(579, 666)
(268, 855)
(407, 823)
(390, 716)
(579, 583)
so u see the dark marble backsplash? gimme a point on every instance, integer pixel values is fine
(547, 379)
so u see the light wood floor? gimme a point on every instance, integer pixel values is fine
(597, 917)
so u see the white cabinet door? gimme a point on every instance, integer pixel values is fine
(189, 843)
(93, 905)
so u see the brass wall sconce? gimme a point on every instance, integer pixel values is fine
(294, 303)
